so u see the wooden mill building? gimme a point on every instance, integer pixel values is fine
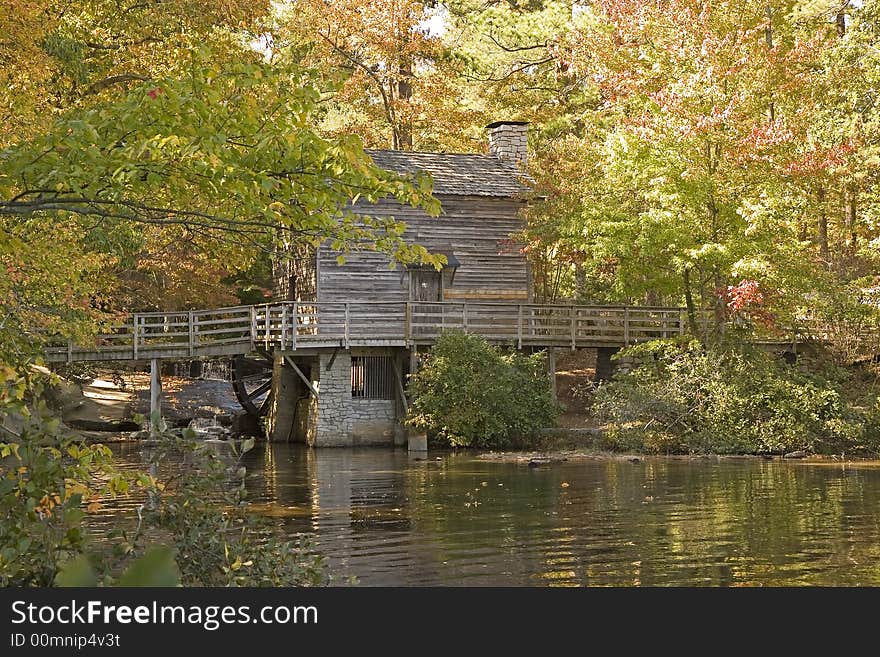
(351, 393)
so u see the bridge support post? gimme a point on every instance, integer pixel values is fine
(604, 365)
(287, 389)
(551, 369)
(417, 441)
(401, 407)
(155, 396)
(413, 359)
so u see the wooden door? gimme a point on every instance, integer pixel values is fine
(426, 285)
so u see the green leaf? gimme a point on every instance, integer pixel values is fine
(77, 572)
(155, 568)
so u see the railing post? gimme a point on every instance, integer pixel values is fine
(347, 319)
(283, 324)
(407, 322)
(136, 320)
(266, 334)
(464, 316)
(626, 326)
(192, 333)
(69, 350)
(295, 326)
(573, 325)
(519, 326)
(681, 321)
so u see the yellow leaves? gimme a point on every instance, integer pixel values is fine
(9, 448)
(238, 564)
(73, 487)
(94, 505)
(47, 503)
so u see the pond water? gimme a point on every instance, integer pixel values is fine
(452, 519)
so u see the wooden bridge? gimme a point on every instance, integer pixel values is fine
(293, 326)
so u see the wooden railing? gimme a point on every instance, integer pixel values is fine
(297, 325)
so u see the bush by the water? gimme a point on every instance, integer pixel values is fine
(193, 527)
(684, 397)
(470, 393)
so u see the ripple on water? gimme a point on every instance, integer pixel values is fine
(388, 520)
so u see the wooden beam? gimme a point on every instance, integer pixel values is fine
(400, 390)
(519, 326)
(413, 359)
(134, 336)
(304, 378)
(485, 294)
(155, 397)
(192, 335)
(332, 359)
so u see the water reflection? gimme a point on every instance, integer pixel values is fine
(454, 520)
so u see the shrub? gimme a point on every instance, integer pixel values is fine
(46, 484)
(49, 483)
(683, 397)
(470, 393)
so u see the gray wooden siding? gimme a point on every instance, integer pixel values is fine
(476, 229)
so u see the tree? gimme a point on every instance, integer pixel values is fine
(217, 150)
(395, 81)
(684, 173)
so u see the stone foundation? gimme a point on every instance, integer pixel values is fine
(335, 418)
(334, 400)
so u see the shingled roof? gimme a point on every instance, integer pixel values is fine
(458, 174)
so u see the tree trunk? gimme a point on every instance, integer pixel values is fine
(580, 283)
(403, 133)
(720, 309)
(689, 303)
(849, 216)
(822, 229)
(768, 36)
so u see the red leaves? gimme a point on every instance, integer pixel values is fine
(821, 159)
(747, 299)
(743, 296)
(154, 92)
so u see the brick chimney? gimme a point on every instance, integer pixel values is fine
(507, 141)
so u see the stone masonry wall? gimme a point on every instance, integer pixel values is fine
(508, 141)
(334, 399)
(372, 421)
(343, 420)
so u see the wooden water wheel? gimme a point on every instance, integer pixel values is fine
(252, 382)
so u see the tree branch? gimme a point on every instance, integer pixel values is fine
(536, 46)
(100, 85)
